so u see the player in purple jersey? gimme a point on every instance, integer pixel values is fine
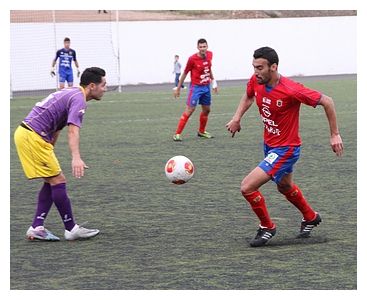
(65, 56)
(35, 139)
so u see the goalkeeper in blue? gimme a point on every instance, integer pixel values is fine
(65, 56)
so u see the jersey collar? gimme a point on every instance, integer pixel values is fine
(83, 91)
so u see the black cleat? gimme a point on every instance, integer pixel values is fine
(263, 236)
(307, 226)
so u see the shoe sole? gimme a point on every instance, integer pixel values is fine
(84, 238)
(37, 239)
(205, 137)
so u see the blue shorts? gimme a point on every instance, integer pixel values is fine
(66, 75)
(279, 161)
(199, 94)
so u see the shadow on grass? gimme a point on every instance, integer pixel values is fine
(294, 241)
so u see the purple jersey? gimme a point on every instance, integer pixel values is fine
(56, 111)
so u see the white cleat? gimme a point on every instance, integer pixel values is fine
(80, 233)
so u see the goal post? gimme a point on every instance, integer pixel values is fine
(35, 36)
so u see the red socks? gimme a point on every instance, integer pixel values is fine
(257, 203)
(182, 123)
(203, 122)
(295, 196)
(184, 118)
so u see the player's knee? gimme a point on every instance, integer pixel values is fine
(284, 187)
(56, 179)
(189, 111)
(246, 187)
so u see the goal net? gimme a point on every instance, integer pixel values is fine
(35, 36)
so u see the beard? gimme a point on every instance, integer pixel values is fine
(262, 80)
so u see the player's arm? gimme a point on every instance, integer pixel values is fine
(336, 142)
(214, 82)
(176, 93)
(77, 164)
(76, 64)
(235, 124)
(77, 68)
(55, 137)
(52, 72)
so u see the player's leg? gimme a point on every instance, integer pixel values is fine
(203, 121)
(250, 186)
(70, 78)
(62, 79)
(294, 195)
(44, 203)
(250, 191)
(177, 78)
(205, 101)
(61, 199)
(279, 164)
(63, 204)
(192, 101)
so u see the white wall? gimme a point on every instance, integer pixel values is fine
(306, 46)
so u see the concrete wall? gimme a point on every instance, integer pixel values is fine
(306, 46)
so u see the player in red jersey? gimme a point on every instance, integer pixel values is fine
(200, 66)
(279, 99)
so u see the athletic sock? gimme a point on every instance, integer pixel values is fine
(295, 196)
(63, 204)
(43, 205)
(182, 123)
(258, 205)
(203, 122)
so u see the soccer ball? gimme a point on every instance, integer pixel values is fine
(179, 169)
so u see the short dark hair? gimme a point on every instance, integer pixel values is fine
(66, 39)
(202, 41)
(92, 75)
(267, 53)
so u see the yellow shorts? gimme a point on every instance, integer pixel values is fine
(37, 156)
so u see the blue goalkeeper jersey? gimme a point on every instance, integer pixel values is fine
(66, 57)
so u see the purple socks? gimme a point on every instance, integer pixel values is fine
(54, 194)
(43, 206)
(63, 205)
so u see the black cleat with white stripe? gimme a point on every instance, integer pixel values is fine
(307, 226)
(263, 236)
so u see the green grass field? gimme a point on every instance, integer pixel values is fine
(155, 235)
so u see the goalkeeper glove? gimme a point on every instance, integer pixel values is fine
(52, 72)
(77, 73)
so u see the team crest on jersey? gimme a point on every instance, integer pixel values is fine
(279, 103)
